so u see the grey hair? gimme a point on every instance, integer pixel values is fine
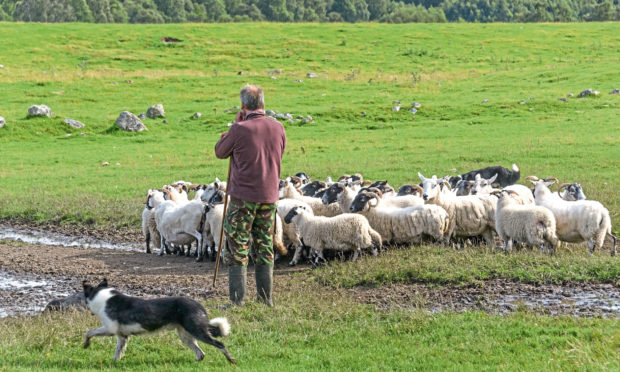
(252, 97)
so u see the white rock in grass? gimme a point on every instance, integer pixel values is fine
(396, 108)
(2, 122)
(485, 101)
(615, 91)
(105, 164)
(39, 110)
(130, 122)
(196, 115)
(1, 66)
(312, 75)
(74, 123)
(156, 111)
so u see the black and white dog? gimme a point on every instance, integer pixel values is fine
(123, 316)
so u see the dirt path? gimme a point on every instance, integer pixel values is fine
(32, 275)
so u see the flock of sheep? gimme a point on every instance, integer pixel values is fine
(353, 214)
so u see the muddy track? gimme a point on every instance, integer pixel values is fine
(58, 271)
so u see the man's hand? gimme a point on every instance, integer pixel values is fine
(223, 134)
(240, 116)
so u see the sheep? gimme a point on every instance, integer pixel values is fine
(211, 189)
(481, 186)
(311, 188)
(149, 227)
(401, 225)
(470, 215)
(410, 190)
(576, 221)
(505, 177)
(529, 224)
(290, 231)
(179, 224)
(345, 232)
(288, 191)
(396, 202)
(573, 192)
(339, 192)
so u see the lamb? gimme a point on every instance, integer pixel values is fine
(401, 225)
(288, 191)
(576, 221)
(470, 215)
(529, 224)
(339, 192)
(345, 232)
(149, 227)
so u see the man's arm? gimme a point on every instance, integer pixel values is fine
(224, 147)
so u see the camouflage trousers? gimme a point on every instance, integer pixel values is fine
(244, 220)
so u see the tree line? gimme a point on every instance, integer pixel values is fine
(389, 11)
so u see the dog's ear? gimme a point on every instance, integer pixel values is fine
(104, 283)
(88, 289)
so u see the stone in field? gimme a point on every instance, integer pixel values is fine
(130, 122)
(589, 92)
(312, 75)
(563, 99)
(39, 110)
(396, 108)
(156, 111)
(2, 121)
(413, 111)
(196, 115)
(76, 301)
(74, 123)
(142, 116)
(416, 105)
(105, 163)
(1, 66)
(615, 91)
(485, 101)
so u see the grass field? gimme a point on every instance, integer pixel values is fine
(93, 72)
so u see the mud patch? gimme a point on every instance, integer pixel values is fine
(499, 297)
(39, 290)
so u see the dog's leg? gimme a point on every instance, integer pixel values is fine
(121, 344)
(205, 337)
(96, 332)
(191, 343)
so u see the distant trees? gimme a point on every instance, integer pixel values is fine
(393, 11)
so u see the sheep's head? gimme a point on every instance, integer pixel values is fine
(332, 192)
(295, 211)
(364, 201)
(431, 186)
(410, 190)
(482, 185)
(573, 192)
(310, 189)
(541, 187)
(464, 187)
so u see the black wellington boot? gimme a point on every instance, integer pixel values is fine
(237, 276)
(264, 281)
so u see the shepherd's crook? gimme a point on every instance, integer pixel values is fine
(219, 250)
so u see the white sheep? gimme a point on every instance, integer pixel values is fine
(576, 221)
(149, 227)
(470, 215)
(288, 191)
(179, 224)
(291, 235)
(521, 194)
(402, 225)
(345, 232)
(529, 224)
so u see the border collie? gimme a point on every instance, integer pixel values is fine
(123, 316)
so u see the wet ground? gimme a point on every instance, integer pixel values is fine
(52, 262)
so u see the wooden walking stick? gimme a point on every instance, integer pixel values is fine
(219, 250)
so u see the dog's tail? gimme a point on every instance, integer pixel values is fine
(219, 327)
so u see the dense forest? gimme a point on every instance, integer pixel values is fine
(178, 11)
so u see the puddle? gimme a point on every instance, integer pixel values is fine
(28, 294)
(56, 239)
(584, 302)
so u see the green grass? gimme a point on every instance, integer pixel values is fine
(440, 266)
(314, 329)
(93, 72)
(450, 69)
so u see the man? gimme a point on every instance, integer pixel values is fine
(255, 144)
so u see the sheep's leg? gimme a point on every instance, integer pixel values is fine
(591, 245)
(148, 242)
(296, 256)
(613, 243)
(163, 246)
(508, 244)
(356, 254)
